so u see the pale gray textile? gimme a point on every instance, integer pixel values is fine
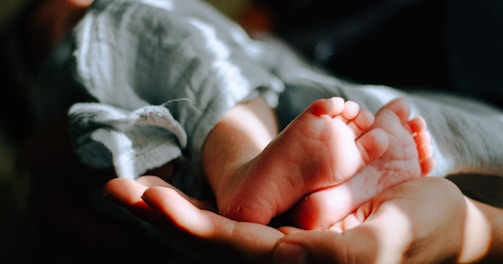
(160, 75)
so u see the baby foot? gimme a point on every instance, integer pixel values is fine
(325, 145)
(408, 156)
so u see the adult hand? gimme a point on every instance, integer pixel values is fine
(422, 221)
(156, 201)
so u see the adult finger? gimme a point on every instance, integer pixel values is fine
(243, 241)
(151, 181)
(127, 193)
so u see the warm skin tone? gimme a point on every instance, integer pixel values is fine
(244, 174)
(232, 170)
(405, 158)
(257, 175)
(62, 19)
(456, 229)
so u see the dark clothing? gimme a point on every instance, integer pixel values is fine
(447, 45)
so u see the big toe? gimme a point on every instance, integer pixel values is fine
(333, 106)
(400, 107)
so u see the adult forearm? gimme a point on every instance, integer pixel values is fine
(483, 237)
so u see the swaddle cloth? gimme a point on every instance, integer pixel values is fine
(161, 74)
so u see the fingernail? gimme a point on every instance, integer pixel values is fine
(288, 253)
